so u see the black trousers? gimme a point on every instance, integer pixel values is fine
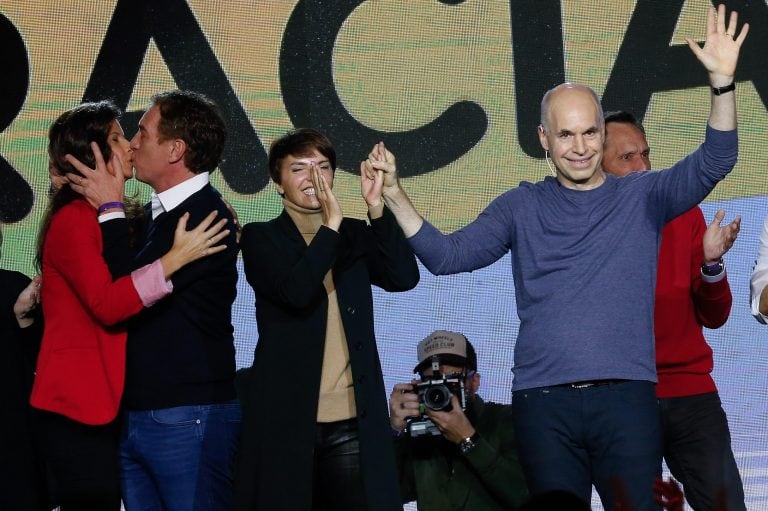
(22, 482)
(338, 482)
(697, 447)
(81, 462)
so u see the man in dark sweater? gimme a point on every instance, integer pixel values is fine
(181, 418)
(583, 393)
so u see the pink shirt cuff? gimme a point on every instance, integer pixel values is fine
(150, 283)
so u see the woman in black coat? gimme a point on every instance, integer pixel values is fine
(315, 425)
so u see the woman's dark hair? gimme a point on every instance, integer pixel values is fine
(72, 133)
(299, 142)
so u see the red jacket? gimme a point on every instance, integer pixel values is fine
(685, 303)
(81, 366)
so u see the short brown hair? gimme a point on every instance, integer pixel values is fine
(622, 116)
(195, 119)
(299, 142)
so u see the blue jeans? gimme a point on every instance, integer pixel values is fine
(697, 447)
(181, 458)
(607, 435)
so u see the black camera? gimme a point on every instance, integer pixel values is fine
(435, 393)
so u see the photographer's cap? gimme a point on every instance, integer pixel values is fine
(451, 347)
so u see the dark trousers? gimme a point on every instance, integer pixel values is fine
(81, 462)
(697, 448)
(607, 435)
(22, 481)
(338, 482)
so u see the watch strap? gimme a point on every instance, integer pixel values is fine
(712, 270)
(722, 90)
(469, 443)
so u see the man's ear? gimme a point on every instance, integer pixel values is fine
(177, 151)
(543, 137)
(279, 188)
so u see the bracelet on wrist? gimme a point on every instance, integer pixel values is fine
(111, 205)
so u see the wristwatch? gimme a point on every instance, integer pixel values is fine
(712, 270)
(469, 443)
(722, 90)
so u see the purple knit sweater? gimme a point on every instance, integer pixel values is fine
(584, 263)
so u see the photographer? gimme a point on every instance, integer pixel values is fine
(453, 458)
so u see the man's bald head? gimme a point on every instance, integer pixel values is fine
(563, 91)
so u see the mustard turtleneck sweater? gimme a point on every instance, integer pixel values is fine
(336, 401)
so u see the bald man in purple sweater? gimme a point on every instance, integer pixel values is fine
(585, 407)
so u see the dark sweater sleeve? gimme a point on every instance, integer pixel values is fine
(481, 243)
(209, 267)
(117, 251)
(690, 180)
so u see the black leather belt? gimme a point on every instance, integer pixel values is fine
(590, 383)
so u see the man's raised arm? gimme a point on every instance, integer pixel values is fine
(719, 56)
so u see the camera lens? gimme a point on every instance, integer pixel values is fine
(437, 397)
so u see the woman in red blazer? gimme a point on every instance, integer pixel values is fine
(81, 366)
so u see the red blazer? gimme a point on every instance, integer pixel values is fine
(81, 366)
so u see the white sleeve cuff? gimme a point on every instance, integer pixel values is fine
(111, 216)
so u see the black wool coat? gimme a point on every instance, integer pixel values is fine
(279, 393)
(22, 483)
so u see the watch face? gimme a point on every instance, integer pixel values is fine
(466, 445)
(713, 270)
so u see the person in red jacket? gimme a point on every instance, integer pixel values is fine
(81, 365)
(692, 291)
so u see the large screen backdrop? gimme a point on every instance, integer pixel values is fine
(452, 88)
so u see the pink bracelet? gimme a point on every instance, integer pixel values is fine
(111, 205)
